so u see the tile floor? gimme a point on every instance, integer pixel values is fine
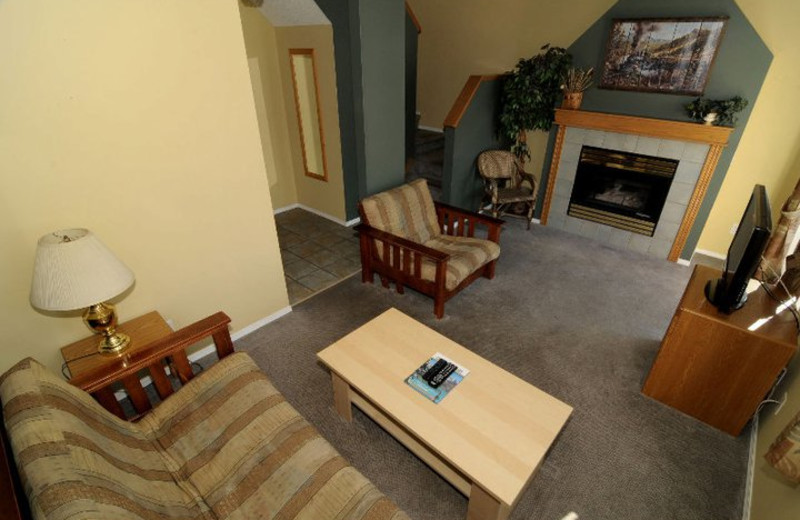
(316, 252)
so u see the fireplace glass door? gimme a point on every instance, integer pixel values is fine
(621, 189)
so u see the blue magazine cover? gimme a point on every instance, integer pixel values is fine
(416, 382)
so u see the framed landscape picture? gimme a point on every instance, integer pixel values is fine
(669, 55)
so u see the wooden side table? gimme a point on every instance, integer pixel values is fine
(82, 356)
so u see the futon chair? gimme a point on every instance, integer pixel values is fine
(407, 238)
(503, 179)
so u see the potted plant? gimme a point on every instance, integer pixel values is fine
(576, 82)
(721, 112)
(529, 94)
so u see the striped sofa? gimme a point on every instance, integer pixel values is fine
(411, 240)
(227, 445)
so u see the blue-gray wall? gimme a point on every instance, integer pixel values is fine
(369, 48)
(461, 184)
(383, 34)
(739, 69)
(412, 37)
(343, 15)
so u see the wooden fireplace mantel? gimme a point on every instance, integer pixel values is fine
(715, 136)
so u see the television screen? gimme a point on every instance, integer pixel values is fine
(744, 254)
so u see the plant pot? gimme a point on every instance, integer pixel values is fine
(572, 100)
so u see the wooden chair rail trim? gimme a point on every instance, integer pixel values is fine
(661, 128)
(465, 98)
(377, 234)
(177, 342)
(414, 19)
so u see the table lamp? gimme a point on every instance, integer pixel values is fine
(75, 270)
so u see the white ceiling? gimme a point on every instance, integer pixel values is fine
(282, 13)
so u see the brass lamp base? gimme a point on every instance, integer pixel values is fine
(102, 319)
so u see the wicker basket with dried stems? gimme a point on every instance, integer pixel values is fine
(576, 81)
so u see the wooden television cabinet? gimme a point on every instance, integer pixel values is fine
(711, 366)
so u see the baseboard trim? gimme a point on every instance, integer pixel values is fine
(712, 254)
(239, 334)
(751, 469)
(317, 212)
(431, 129)
(284, 209)
(211, 349)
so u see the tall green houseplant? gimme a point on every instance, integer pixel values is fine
(529, 95)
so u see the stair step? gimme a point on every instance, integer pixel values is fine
(426, 141)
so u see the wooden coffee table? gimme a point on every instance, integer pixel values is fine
(487, 437)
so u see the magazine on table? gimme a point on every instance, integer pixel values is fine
(416, 381)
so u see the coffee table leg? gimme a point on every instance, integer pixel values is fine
(483, 506)
(341, 397)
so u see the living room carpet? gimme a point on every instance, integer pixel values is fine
(573, 317)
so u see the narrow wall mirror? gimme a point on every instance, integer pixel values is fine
(309, 114)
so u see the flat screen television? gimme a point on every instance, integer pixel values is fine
(728, 293)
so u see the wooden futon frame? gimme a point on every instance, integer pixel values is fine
(167, 355)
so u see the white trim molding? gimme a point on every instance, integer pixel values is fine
(249, 329)
(431, 129)
(211, 349)
(348, 223)
(712, 254)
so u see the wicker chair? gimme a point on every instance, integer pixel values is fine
(503, 179)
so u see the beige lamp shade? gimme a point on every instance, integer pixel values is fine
(74, 270)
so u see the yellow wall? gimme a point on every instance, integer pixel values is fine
(280, 133)
(327, 197)
(136, 120)
(480, 37)
(769, 152)
(262, 46)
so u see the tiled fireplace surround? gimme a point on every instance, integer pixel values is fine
(697, 153)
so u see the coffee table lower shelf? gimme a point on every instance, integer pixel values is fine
(482, 505)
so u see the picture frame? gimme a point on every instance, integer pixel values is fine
(666, 55)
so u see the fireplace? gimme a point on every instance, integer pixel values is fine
(620, 189)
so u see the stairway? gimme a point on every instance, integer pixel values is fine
(428, 160)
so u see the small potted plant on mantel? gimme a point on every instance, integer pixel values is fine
(719, 112)
(576, 81)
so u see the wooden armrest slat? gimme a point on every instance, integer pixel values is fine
(407, 262)
(223, 343)
(484, 219)
(160, 380)
(433, 254)
(133, 386)
(182, 366)
(396, 257)
(160, 349)
(105, 396)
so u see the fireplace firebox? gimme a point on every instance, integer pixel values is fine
(621, 189)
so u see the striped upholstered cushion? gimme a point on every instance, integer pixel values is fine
(77, 461)
(406, 211)
(466, 255)
(251, 455)
(226, 446)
